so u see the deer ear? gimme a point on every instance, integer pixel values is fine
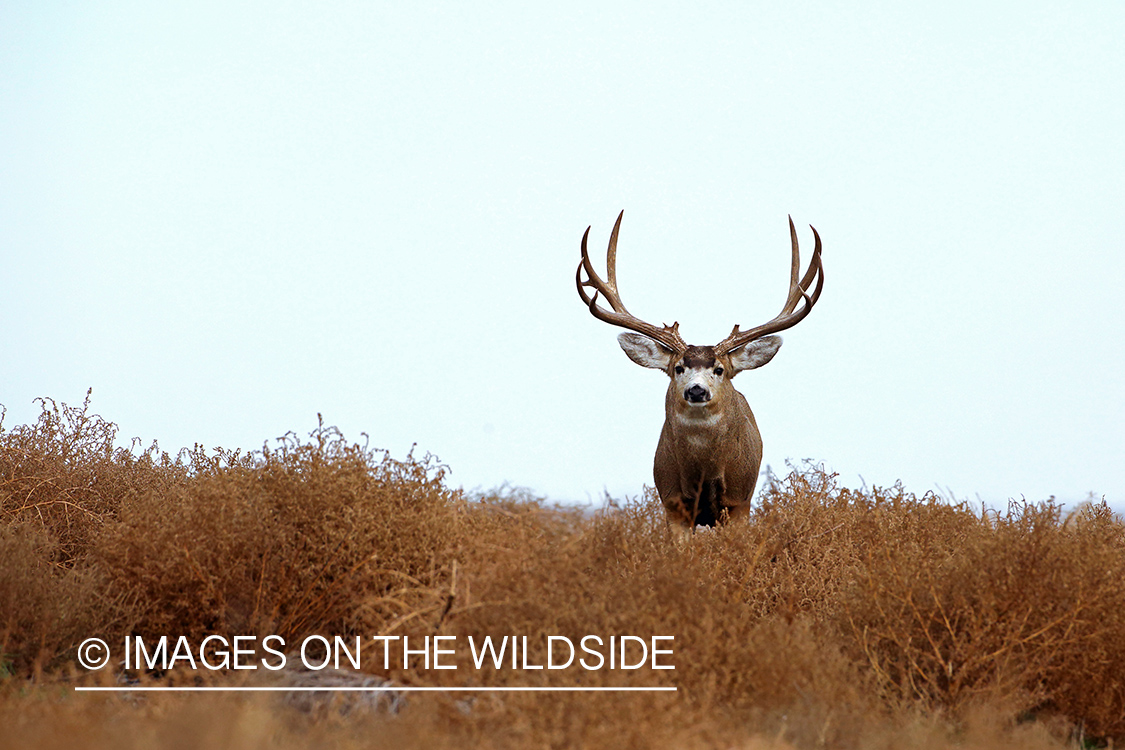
(755, 354)
(644, 351)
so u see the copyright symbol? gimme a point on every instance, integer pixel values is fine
(93, 653)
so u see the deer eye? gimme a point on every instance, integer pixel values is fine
(718, 371)
(679, 369)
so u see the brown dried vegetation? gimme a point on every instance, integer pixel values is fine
(835, 617)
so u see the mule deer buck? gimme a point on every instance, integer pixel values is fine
(710, 449)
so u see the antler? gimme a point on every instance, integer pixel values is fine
(669, 336)
(789, 315)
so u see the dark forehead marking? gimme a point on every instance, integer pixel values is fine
(699, 356)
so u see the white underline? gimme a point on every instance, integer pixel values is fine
(186, 689)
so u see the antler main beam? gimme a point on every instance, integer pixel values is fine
(790, 314)
(669, 336)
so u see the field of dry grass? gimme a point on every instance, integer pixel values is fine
(834, 618)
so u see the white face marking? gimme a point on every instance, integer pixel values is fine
(703, 380)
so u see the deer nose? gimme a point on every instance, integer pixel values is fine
(697, 394)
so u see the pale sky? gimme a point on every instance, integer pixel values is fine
(228, 219)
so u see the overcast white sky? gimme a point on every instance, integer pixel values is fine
(226, 220)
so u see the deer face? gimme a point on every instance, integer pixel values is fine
(700, 376)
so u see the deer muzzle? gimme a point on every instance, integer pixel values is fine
(697, 394)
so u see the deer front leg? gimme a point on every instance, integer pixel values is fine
(677, 515)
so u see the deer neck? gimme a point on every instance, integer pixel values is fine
(699, 426)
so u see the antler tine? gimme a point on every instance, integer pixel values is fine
(669, 336)
(790, 315)
(611, 254)
(794, 269)
(607, 289)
